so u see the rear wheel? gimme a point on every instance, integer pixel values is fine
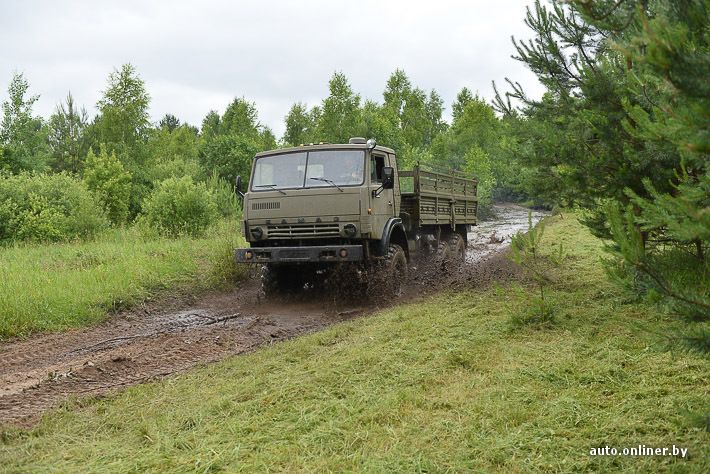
(443, 254)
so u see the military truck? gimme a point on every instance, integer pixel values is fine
(309, 209)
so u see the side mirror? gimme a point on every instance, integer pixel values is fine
(238, 187)
(388, 177)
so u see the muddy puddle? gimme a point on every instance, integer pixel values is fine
(489, 235)
(159, 339)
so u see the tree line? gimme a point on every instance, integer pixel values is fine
(122, 157)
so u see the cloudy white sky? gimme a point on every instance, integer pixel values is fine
(196, 56)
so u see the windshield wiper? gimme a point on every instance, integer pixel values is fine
(329, 182)
(272, 186)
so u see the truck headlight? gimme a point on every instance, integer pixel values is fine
(349, 230)
(256, 232)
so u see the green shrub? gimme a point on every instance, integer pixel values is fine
(105, 175)
(223, 270)
(47, 208)
(179, 206)
(224, 196)
(478, 163)
(525, 251)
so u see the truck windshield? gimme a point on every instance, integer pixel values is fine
(315, 169)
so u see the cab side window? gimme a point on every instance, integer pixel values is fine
(377, 162)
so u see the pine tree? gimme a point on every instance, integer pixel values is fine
(67, 141)
(622, 132)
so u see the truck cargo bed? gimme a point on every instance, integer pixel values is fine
(439, 198)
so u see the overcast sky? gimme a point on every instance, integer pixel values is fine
(196, 56)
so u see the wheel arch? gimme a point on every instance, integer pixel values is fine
(393, 233)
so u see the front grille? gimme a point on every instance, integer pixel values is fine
(260, 206)
(303, 230)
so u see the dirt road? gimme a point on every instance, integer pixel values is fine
(160, 339)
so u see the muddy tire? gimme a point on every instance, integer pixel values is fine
(391, 273)
(281, 279)
(346, 281)
(457, 248)
(443, 254)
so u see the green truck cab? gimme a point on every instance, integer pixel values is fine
(313, 206)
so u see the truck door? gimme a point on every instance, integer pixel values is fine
(384, 205)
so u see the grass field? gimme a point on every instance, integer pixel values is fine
(443, 385)
(54, 287)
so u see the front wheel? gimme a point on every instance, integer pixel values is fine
(282, 279)
(392, 272)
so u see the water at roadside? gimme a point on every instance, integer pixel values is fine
(490, 235)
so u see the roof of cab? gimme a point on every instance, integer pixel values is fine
(323, 146)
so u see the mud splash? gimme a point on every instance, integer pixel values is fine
(160, 339)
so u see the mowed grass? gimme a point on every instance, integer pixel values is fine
(442, 385)
(54, 287)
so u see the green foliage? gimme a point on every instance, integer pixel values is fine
(476, 126)
(47, 208)
(240, 118)
(681, 216)
(624, 122)
(577, 139)
(415, 117)
(478, 163)
(123, 120)
(224, 271)
(173, 153)
(169, 122)
(179, 206)
(230, 155)
(67, 140)
(658, 271)
(211, 125)
(300, 125)
(106, 177)
(340, 117)
(230, 142)
(462, 100)
(409, 157)
(479, 142)
(123, 126)
(525, 251)
(224, 196)
(22, 135)
(410, 121)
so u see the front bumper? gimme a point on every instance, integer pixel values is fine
(315, 253)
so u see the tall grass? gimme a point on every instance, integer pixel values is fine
(53, 287)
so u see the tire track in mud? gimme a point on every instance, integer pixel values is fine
(159, 339)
